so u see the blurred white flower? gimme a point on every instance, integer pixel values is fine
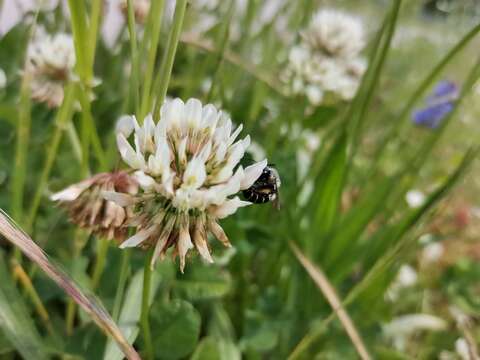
(432, 252)
(327, 60)
(187, 167)
(50, 62)
(335, 33)
(414, 198)
(407, 276)
(461, 348)
(402, 327)
(3, 79)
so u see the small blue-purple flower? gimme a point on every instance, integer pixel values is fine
(437, 106)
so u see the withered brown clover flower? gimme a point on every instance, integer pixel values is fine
(88, 208)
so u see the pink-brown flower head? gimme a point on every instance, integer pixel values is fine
(140, 9)
(187, 166)
(88, 208)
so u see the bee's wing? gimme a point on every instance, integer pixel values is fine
(276, 203)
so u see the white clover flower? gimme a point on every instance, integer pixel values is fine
(402, 327)
(187, 167)
(327, 60)
(50, 62)
(3, 79)
(335, 33)
(414, 198)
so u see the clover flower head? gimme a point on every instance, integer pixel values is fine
(88, 208)
(49, 65)
(187, 166)
(335, 33)
(327, 61)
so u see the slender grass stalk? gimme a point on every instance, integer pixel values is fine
(23, 139)
(321, 280)
(163, 78)
(64, 115)
(74, 140)
(144, 317)
(121, 285)
(378, 64)
(78, 13)
(88, 125)
(20, 275)
(155, 24)
(236, 60)
(134, 55)
(222, 40)
(96, 9)
(99, 262)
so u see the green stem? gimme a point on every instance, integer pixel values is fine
(223, 41)
(94, 22)
(163, 78)
(155, 22)
(89, 131)
(144, 317)
(63, 116)
(23, 139)
(99, 262)
(74, 140)
(122, 281)
(134, 55)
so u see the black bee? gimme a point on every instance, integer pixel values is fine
(265, 189)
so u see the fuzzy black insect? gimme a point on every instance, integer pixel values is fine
(265, 189)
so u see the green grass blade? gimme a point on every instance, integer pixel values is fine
(155, 25)
(130, 313)
(135, 73)
(367, 88)
(163, 77)
(326, 199)
(15, 319)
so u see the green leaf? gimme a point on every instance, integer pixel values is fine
(213, 348)
(356, 220)
(206, 282)
(329, 186)
(130, 313)
(175, 329)
(15, 319)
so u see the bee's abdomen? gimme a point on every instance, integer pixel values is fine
(256, 197)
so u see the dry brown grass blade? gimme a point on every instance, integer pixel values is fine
(90, 305)
(330, 294)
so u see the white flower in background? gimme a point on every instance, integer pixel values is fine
(3, 79)
(414, 198)
(406, 277)
(327, 61)
(432, 252)
(50, 62)
(402, 327)
(337, 34)
(187, 167)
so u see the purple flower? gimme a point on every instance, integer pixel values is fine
(438, 105)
